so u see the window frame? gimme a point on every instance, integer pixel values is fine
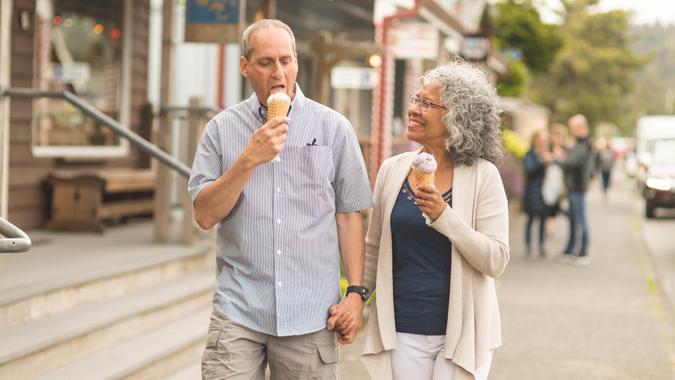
(92, 151)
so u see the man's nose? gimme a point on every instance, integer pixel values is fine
(278, 69)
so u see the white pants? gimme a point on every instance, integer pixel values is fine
(420, 357)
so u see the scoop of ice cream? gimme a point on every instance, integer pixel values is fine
(278, 96)
(425, 163)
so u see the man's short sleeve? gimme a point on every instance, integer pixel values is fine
(207, 165)
(352, 188)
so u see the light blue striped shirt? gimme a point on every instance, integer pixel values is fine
(277, 251)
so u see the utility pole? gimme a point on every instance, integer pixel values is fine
(5, 60)
(164, 174)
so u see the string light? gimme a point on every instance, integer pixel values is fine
(98, 29)
(116, 33)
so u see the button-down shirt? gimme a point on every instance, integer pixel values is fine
(277, 251)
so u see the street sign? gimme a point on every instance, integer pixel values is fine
(475, 48)
(355, 78)
(215, 21)
(416, 40)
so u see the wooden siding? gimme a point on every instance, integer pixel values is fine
(28, 197)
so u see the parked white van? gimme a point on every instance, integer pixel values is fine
(651, 129)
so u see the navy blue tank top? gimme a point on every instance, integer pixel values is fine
(421, 268)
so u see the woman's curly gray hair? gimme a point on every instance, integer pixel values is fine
(473, 117)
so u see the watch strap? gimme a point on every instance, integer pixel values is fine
(360, 290)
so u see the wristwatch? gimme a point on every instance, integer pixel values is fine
(360, 290)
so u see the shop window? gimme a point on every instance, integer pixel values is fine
(80, 47)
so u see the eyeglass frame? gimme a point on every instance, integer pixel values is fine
(425, 104)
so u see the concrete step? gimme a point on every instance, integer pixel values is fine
(33, 348)
(193, 372)
(76, 283)
(155, 355)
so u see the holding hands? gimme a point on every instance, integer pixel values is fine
(346, 318)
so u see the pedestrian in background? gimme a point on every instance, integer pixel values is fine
(286, 195)
(436, 314)
(578, 168)
(553, 189)
(536, 162)
(605, 163)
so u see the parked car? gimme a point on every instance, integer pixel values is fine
(650, 130)
(659, 189)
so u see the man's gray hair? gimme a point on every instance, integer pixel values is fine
(472, 117)
(262, 24)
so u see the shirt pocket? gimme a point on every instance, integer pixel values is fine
(310, 166)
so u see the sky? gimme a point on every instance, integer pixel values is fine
(645, 11)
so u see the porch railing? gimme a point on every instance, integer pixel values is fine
(105, 120)
(14, 240)
(195, 114)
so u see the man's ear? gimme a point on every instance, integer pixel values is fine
(243, 66)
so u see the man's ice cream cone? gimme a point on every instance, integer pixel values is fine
(278, 105)
(424, 166)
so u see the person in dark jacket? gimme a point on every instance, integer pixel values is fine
(536, 160)
(578, 166)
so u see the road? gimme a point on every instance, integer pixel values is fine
(612, 319)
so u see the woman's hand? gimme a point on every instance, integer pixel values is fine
(430, 201)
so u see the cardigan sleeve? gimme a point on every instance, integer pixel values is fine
(486, 248)
(374, 233)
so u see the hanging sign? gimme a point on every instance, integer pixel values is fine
(215, 21)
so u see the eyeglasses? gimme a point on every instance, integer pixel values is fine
(425, 104)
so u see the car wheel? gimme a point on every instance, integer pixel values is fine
(649, 211)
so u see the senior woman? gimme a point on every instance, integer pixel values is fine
(433, 251)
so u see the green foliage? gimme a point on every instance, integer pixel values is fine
(595, 69)
(518, 27)
(655, 88)
(516, 83)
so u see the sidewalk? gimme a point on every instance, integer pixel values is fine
(604, 321)
(559, 321)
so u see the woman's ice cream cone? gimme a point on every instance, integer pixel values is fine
(424, 166)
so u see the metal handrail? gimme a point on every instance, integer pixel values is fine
(105, 120)
(15, 240)
(169, 109)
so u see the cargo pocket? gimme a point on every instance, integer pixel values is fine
(328, 354)
(212, 339)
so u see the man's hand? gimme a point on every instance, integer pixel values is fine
(346, 318)
(267, 142)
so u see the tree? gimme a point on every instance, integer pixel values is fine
(518, 27)
(594, 72)
(655, 88)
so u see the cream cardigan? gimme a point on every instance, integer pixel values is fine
(477, 226)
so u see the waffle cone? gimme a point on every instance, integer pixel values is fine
(422, 178)
(277, 107)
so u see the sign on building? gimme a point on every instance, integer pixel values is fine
(215, 21)
(356, 78)
(416, 40)
(475, 48)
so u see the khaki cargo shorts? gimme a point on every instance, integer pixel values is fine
(234, 352)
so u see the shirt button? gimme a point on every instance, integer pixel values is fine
(278, 252)
(278, 189)
(279, 283)
(278, 221)
(278, 159)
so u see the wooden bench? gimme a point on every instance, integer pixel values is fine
(84, 199)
